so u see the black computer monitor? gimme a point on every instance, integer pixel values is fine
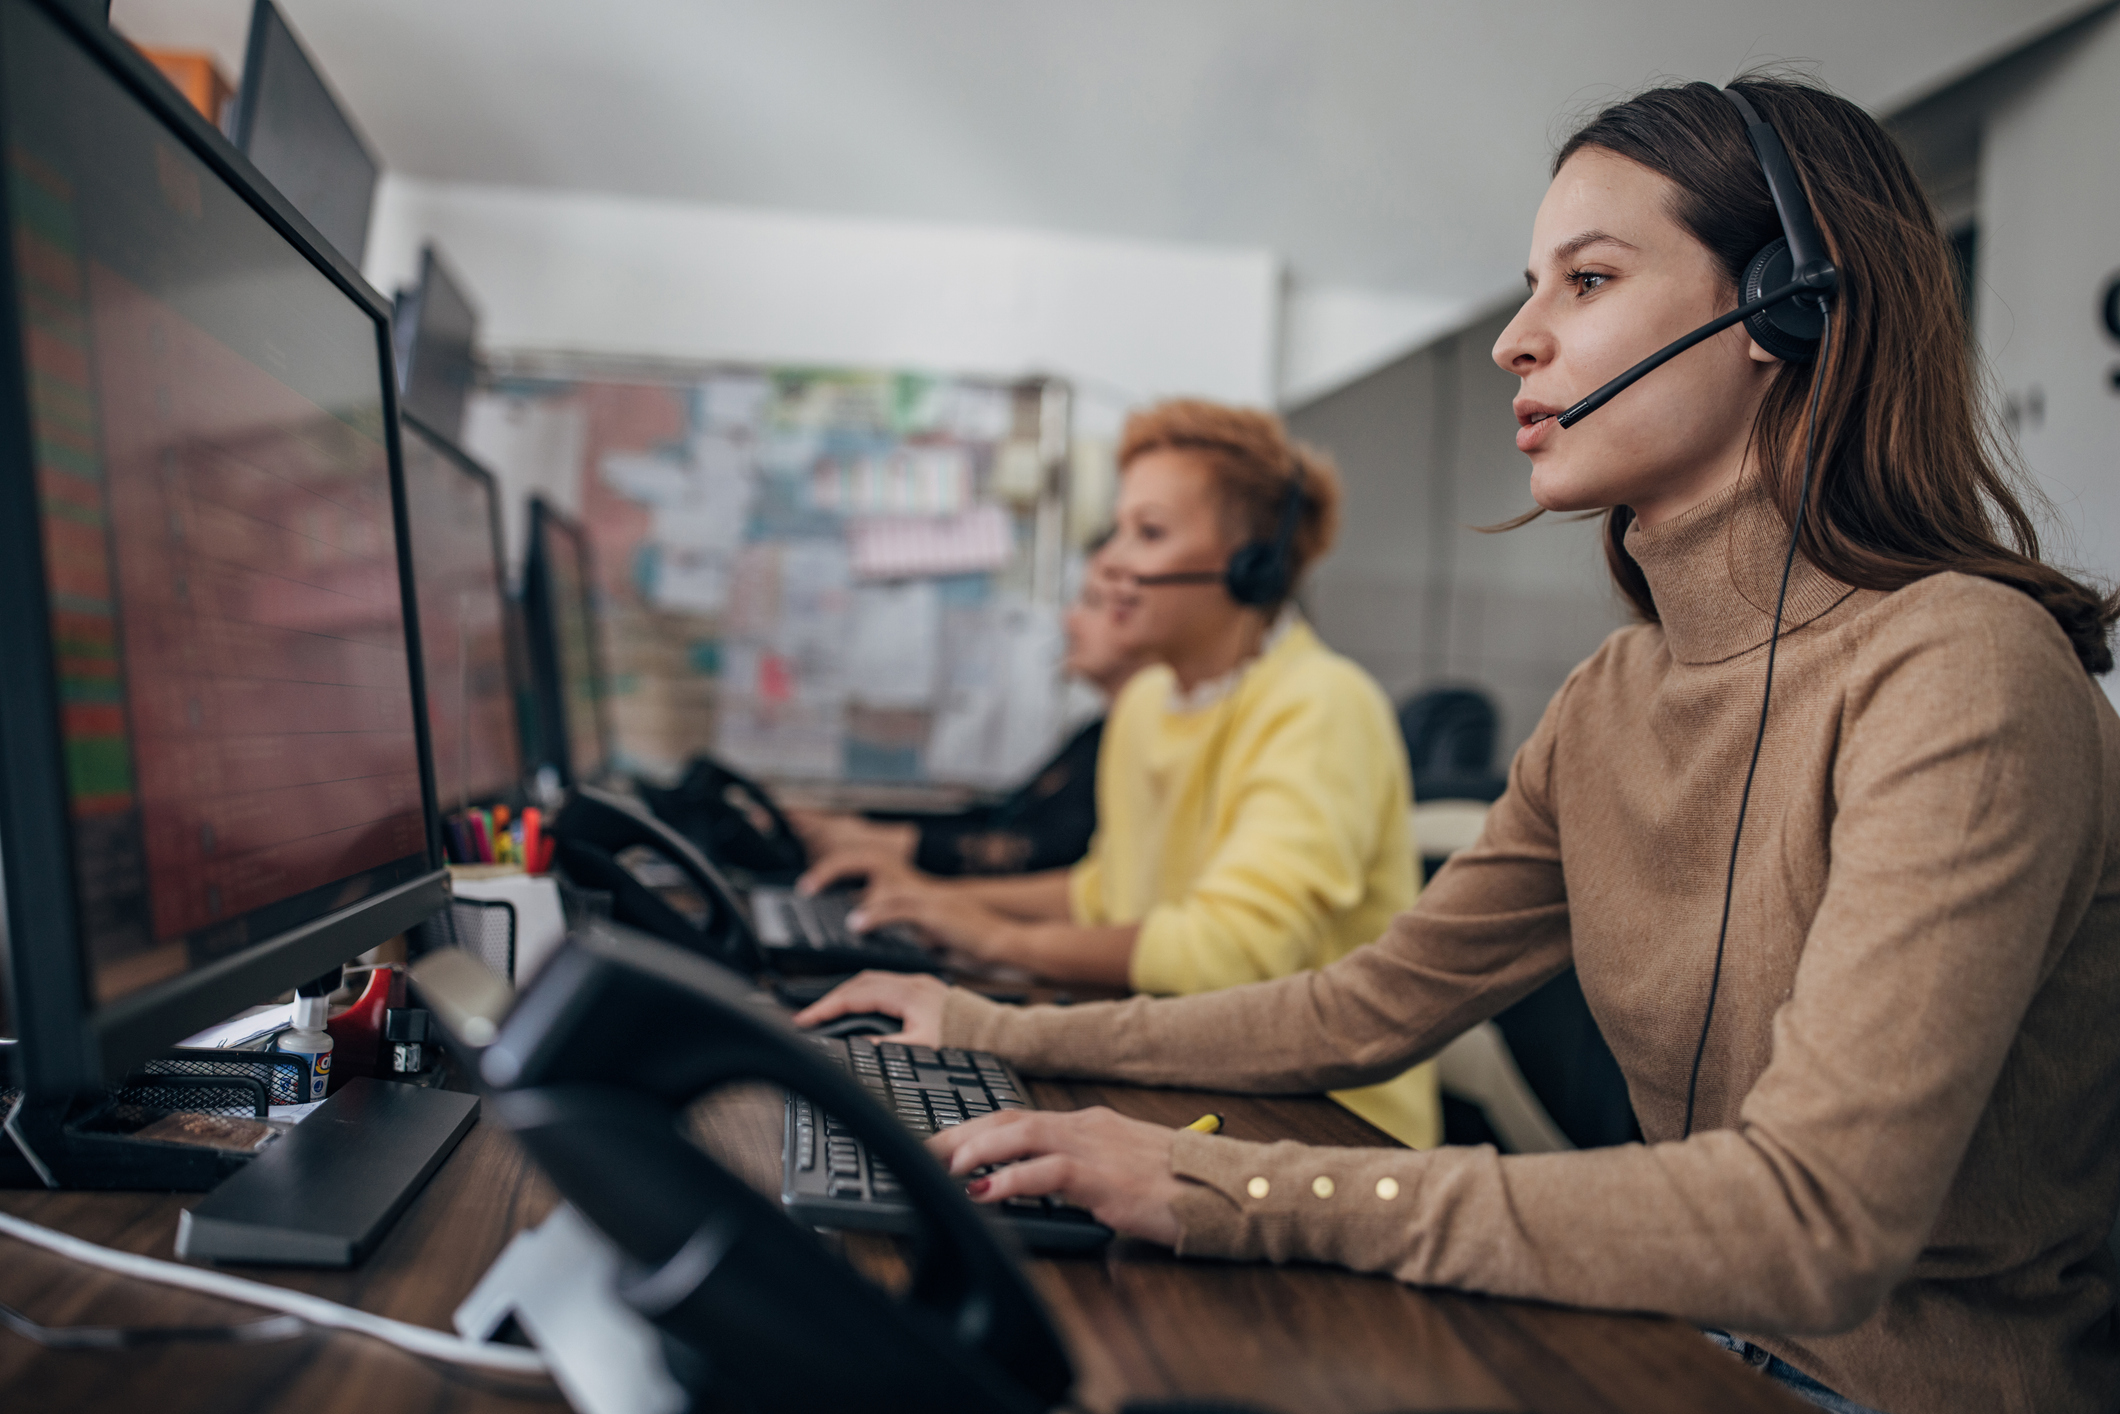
(296, 132)
(436, 329)
(455, 515)
(213, 782)
(565, 654)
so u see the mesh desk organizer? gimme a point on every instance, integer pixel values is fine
(236, 1084)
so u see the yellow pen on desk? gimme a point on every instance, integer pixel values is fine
(1206, 1124)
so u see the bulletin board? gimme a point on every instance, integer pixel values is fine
(820, 575)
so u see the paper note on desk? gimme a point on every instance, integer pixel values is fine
(908, 547)
(258, 1021)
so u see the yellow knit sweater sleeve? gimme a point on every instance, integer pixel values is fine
(1085, 890)
(1310, 789)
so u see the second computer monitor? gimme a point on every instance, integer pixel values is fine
(436, 330)
(574, 734)
(454, 515)
(289, 124)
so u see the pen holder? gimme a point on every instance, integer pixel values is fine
(485, 928)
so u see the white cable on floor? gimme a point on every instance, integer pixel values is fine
(419, 1340)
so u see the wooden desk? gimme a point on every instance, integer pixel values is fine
(1141, 1324)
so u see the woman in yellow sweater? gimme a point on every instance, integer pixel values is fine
(1252, 789)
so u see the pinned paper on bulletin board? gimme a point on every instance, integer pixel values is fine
(894, 644)
(698, 497)
(903, 547)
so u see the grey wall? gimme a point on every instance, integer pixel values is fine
(2049, 260)
(1426, 446)
(2020, 155)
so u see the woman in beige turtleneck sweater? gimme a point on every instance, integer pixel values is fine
(1903, 1156)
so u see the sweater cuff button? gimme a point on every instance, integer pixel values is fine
(1387, 1188)
(1258, 1188)
(1322, 1185)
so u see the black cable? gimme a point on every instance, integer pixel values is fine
(1766, 697)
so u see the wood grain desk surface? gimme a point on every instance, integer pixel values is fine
(1140, 1323)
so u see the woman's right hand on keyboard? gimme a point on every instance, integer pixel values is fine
(914, 998)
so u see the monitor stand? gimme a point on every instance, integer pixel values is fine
(321, 1195)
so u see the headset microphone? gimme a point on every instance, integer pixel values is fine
(1259, 571)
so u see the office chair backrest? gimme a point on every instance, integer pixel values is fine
(1450, 734)
(1555, 1042)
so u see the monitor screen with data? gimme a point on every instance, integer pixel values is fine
(206, 413)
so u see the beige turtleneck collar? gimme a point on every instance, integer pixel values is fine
(1714, 572)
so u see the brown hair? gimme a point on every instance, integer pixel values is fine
(1911, 479)
(1252, 458)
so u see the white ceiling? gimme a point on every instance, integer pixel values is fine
(1395, 146)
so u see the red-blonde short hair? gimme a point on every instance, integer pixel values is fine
(1253, 459)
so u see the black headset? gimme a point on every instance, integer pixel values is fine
(1785, 292)
(1259, 572)
(1785, 288)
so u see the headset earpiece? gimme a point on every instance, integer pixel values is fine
(1257, 574)
(1788, 330)
(1260, 571)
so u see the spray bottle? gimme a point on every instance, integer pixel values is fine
(308, 1038)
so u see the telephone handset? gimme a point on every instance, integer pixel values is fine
(596, 1065)
(733, 819)
(597, 831)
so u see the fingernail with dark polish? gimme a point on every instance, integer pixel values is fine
(978, 1186)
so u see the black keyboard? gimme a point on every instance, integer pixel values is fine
(805, 934)
(829, 1180)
